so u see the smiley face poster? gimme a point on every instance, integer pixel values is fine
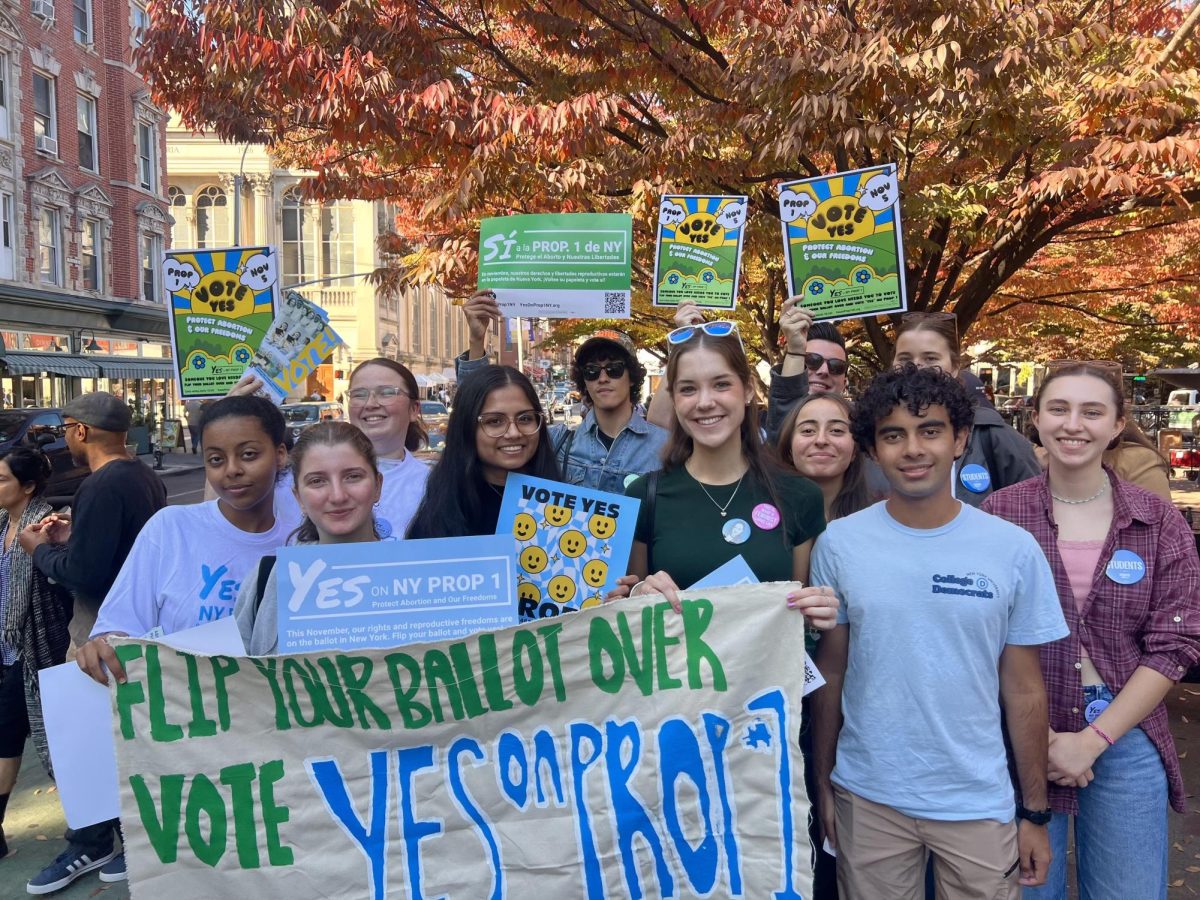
(571, 543)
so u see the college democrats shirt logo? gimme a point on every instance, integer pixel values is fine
(1126, 567)
(970, 585)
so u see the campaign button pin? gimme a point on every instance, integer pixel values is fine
(975, 478)
(1092, 713)
(383, 528)
(1126, 567)
(631, 478)
(736, 531)
(765, 516)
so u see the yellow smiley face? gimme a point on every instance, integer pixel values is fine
(602, 527)
(524, 526)
(527, 590)
(561, 589)
(572, 543)
(533, 559)
(595, 572)
(557, 515)
(594, 600)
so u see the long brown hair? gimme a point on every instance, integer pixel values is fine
(853, 495)
(944, 324)
(327, 434)
(415, 438)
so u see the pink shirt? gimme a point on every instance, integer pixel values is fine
(1080, 559)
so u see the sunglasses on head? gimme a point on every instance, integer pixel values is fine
(718, 329)
(613, 369)
(1110, 365)
(813, 362)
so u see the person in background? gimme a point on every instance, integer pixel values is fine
(34, 613)
(84, 553)
(1129, 585)
(496, 427)
(193, 409)
(996, 454)
(613, 442)
(816, 442)
(337, 483)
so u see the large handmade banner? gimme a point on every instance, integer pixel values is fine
(623, 751)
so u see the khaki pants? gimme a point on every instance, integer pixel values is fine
(882, 852)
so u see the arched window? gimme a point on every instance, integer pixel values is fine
(299, 246)
(176, 197)
(212, 218)
(178, 201)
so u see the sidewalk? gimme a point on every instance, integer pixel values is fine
(174, 463)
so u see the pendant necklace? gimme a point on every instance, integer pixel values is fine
(1095, 496)
(720, 508)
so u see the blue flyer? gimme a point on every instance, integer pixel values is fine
(386, 594)
(571, 543)
(736, 571)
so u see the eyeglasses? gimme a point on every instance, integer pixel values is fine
(814, 361)
(613, 370)
(496, 424)
(718, 329)
(68, 425)
(385, 394)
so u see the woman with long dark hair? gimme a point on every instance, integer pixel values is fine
(497, 426)
(815, 440)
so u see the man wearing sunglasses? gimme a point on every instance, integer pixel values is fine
(613, 443)
(814, 362)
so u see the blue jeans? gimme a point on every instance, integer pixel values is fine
(1121, 829)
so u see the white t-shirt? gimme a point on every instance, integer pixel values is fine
(403, 487)
(185, 569)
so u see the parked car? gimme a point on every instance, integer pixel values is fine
(435, 415)
(43, 428)
(299, 416)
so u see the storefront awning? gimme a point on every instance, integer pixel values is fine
(21, 363)
(135, 367)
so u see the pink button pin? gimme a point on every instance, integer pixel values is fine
(765, 516)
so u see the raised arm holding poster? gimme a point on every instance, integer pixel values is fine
(699, 250)
(572, 543)
(558, 266)
(842, 243)
(221, 304)
(627, 751)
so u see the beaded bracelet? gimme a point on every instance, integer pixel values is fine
(1107, 739)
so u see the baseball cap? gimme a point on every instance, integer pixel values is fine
(100, 410)
(609, 340)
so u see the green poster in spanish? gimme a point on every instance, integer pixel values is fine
(558, 266)
(842, 243)
(699, 250)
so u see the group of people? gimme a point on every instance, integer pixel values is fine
(997, 633)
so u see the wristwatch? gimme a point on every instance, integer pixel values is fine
(1036, 816)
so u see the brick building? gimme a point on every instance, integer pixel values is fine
(83, 211)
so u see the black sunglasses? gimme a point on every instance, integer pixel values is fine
(613, 369)
(812, 362)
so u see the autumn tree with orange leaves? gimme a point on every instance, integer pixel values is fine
(1026, 134)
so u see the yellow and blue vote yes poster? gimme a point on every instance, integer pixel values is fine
(843, 244)
(699, 250)
(221, 303)
(572, 543)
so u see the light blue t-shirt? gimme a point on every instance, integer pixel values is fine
(930, 611)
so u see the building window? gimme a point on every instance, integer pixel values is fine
(45, 119)
(4, 117)
(81, 17)
(50, 247)
(337, 239)
(299, 245)
(6, 236)
(177, 200)
(141, 23)
(151, 259)
(146, 169)
(90, 256)
(212, 218)
(85, 115)
(433, 326)
(416, 328)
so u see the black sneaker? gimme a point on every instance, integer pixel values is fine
(69, 865)
(114, 869)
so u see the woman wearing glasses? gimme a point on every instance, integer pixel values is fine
(1129, 583)
(996, 455)
(496, 427)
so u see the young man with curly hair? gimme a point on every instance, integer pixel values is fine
(937, 636)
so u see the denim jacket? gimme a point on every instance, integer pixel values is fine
(585, 460)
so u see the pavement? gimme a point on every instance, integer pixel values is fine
(174, 463)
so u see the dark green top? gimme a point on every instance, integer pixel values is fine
(685, 539)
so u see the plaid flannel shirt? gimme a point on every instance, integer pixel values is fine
(1154, 622)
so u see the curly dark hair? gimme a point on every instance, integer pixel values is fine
(637, 372)
(916, 390)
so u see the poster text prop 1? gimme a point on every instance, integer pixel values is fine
(625, 751)
(298, 340)
(221, 303)
(560, 266)
(699, 251)
(572, 543)
(842, 243)
(386, 594)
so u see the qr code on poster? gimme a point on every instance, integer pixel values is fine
(615, 303)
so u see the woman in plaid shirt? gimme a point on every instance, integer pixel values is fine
(1128, 577)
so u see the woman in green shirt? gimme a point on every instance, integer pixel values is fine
(717, 495)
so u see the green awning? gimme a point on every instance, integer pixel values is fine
(33, 363)
(135, 367)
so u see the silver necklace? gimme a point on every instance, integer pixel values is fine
(1095, 496)
(719, 507)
